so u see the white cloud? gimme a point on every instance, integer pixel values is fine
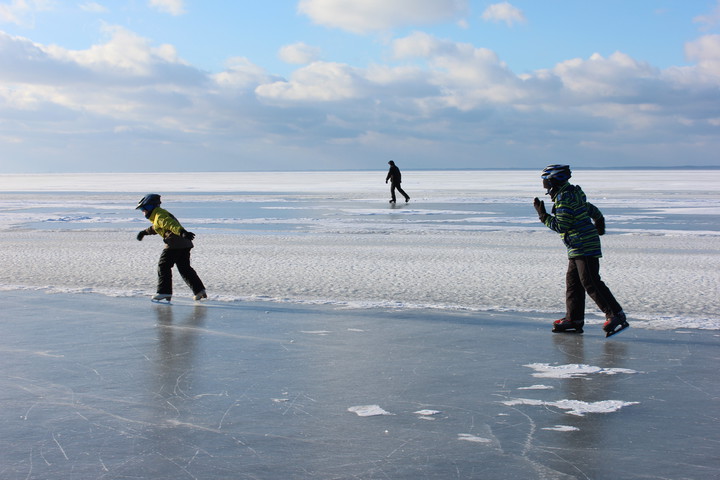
(710, 20)
(299, 53)
(378, 15)
(614, 77)
(504, 12)
(21, 12)
(173, 7)
(469, 76)
(706, 52)
(241, 73)
(320, 81)
(93, 7)
(126, 53)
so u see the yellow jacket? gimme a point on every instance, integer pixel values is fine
(167, 226)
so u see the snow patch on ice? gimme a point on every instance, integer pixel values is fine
(574, 407)
(368, 410)
(562, 428)
(427, 413)
(536, 387)
(574, 370)
(466, 437)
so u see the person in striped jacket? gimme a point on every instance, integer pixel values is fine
(580, 224)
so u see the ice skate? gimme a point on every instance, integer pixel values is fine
(615, 324)
(568, 326)
(159, 297)
(200, 295)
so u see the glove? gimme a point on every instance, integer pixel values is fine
(140, 235)
(187, 235)
(540, 209)
(600, 225)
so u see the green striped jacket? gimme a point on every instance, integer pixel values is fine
(572, 217)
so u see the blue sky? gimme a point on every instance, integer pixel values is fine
(191, 85)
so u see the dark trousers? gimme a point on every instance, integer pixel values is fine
(583, 276)
(180, 257)
(392, 191)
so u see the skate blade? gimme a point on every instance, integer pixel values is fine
(568, 331)
(164, 301)
(617, 330)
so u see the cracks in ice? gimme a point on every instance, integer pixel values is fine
(573, 465)
(709, 395)
(293, 405)
(62, 450)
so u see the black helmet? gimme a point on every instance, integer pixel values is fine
(557, 174)
(554, 177)
(149, 202)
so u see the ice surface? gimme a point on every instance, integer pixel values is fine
(95, 386)
(468, 241)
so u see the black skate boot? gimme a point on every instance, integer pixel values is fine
(568, 326)
(615, 324)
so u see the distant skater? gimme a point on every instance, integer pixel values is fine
(178, 243)
(580, 224)
(395, 179)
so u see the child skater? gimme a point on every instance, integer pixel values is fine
(580, 224)
(178, 243)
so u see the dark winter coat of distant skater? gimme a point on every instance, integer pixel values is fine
(178, 243)
(395, 179)
(580, 224)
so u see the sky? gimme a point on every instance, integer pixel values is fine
(210, 85)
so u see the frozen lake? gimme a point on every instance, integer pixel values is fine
(347, 338)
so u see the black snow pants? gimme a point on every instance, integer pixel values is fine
(394, 186)
(180, 257)
(583, 276)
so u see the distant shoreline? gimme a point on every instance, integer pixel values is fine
(408, 169)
